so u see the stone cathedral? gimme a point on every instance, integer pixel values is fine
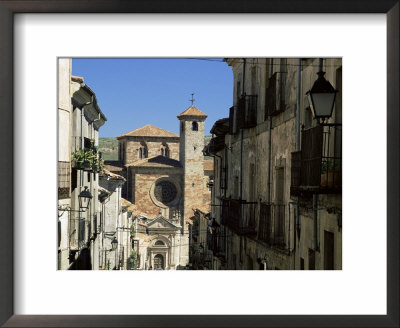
(167, 179)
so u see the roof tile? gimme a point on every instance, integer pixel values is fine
(192, 111)
(149, 131)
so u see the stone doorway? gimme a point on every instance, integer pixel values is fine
(159, 262)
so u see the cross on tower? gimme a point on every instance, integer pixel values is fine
(192, 100)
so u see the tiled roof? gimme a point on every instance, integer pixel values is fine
(208, 165)
(149, 131)
(204, 208)
(103, 190)
(192, 111)
(113, 166)
(78, 79)
(125, 203)
(220, 127)
(156, 161)
(111, 175)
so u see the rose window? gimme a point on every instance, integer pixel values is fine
(165, 191)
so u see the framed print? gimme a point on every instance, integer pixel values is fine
(363, 293)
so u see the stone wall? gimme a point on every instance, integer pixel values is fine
(192, 144)
(247, 158)
(142, 180)
(154, 145)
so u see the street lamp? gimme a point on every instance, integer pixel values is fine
(321, 97)
(84, 199)
(114, 245)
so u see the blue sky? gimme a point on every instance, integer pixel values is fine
(135, 92)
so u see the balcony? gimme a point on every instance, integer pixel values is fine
(239, 216)
(317, 167)
(272, 225)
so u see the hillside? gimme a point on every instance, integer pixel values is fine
(109, 148)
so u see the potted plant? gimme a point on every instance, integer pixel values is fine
(330, 173)
(84, 159)
(78, 158)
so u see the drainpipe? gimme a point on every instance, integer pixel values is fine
(241, 132)
(269, 142)
(298, 105)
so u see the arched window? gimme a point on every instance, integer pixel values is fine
(195, 126)
(142, 151)
(159, 243)
(164, 150)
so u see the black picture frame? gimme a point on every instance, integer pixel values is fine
(7, 10)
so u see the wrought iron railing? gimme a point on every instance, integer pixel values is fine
(265, 224)
(318, 166)
(272, 225)
(239, 216)
(279, 225)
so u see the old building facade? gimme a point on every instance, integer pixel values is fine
(166, 177)
(269, 211)
(78, 172)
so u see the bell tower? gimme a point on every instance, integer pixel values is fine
(191, 156)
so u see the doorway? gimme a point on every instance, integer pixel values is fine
(159, 262)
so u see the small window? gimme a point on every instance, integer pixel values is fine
(159, 243)
(195, 126)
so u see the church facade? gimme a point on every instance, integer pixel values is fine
(167, 180)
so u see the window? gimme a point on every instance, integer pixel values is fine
(195, 126)
(164, 150)
(159, 243)
(165, 191)
(279, 187)
(142, 151)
